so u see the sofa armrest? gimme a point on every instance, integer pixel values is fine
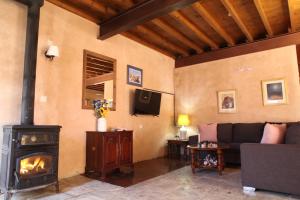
(271, 167)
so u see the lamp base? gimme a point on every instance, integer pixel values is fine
(182, 133)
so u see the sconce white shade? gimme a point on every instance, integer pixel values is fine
(52, 51)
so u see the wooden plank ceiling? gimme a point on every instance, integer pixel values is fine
(201, 27)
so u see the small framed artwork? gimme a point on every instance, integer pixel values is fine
(134, 76)
(227, 101)
(274, 92)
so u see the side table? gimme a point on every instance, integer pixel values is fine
(174, 146)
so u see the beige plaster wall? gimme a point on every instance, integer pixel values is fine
(196, 87)
(12, 41)
(61, 82)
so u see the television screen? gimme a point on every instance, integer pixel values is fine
(146, 102)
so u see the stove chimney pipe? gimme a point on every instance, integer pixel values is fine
(28, 94)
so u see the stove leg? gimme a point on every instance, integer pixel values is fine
(7, 195)
(57, 187)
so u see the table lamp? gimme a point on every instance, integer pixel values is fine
(183, 120)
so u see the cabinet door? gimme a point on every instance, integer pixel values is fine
(125, 148)
(111, 142)
(92, 152)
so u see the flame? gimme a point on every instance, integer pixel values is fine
(32, 165)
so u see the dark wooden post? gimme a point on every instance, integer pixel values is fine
(28, 94)
(298, 57)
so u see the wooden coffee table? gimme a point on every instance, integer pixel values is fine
(196, 162)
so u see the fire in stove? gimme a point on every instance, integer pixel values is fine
(34, 165)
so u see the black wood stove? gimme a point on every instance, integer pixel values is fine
(29, 158)
(29, 152)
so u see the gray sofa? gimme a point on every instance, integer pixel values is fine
(274, 167)
(234, 135)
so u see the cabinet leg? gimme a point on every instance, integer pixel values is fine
(220, 162)
(193, 162)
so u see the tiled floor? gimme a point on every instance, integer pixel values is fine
(176, 185)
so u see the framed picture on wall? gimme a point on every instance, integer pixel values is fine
(134, 76)
(227, 101)
(274, 92)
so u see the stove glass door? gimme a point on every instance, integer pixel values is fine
(35, 165)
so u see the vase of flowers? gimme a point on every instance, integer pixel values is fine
(101, 110)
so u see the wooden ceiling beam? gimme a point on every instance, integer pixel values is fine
(77, 11)
(100, 79)
(139, 14)
(298, 57)
(104, 10)
(177, 34)
(264, 17)
(232, 11)
(201, 10)
(291, 4)
(119, 4)
(187, 22)
(148, 44)
(262, 45)
(162, 40)
(38, 3)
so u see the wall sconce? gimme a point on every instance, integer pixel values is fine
(52, 52)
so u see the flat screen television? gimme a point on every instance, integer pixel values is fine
(146, 103)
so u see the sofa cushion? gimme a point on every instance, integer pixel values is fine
(208, 132)
(293, 135)
(193, 140)
(232, 156)
(274, 134)
(224, 133)
(290, 124)
(247, 132)
(235, 146)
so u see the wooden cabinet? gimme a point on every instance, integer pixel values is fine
(125, 149)
(106, 151)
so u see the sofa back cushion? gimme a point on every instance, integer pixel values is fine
(273, 134)
(208, 132)
(293, 134)
(193, 140)
(247, 132)
(224, 133)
